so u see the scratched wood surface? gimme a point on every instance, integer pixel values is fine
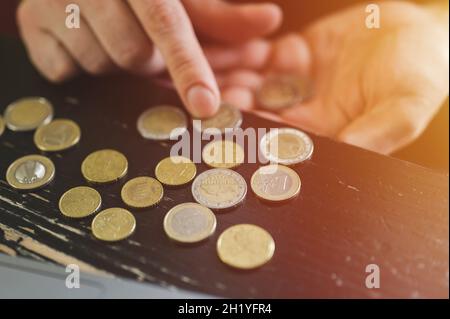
(355, 208)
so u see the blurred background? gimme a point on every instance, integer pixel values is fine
(430, 150)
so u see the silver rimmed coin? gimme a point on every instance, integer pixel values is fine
(219, 188)
(30, 172)
(2, 125)
(189, 223)
(227, 117)
(275, 183)
(160, 122)
(27, 114)
(286, 146)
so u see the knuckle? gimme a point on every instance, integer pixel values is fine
(24, 12)
(61, 72)
(183, 64)
(410, 127)
(291, 38)
(97, 66)
(163, 16)
(132, 55)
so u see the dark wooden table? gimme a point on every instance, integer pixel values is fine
(355, 208)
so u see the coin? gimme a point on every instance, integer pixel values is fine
(2, 125)
(175, 171)
(277, 93)
(104, 166)
(227, 117)
(159, 122)
(142, 192)
(80, 202)
(189, 223)
(219, 188)
(286, 146)
(28, 114)
(245, 246)
(223, 154)
(30, 172)
(282, 91)
(57, 135)
(275, 183)
(113, 224)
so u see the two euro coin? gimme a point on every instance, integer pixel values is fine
(28, 114)
(286, 146)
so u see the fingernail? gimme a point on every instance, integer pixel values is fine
(202, 102)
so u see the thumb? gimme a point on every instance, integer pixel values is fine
(389, 125)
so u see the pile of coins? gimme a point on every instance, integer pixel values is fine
(220, 188)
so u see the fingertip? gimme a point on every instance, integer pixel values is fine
(256, 54)
(201, 101)
(245, 78)
(273, 15)
(292, 52)
(268, 15)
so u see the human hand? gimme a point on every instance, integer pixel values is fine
(141, 36)
(375, 88)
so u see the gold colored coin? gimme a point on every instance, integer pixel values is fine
(278, 92)
(30, 172)
(80, 202)
(227, 117)
(284, 90)
(189, 223)
(28, 114)
(223, 154)
(245, 246)
(104, 166)
(57, 135)
(275, 183)
(2, 125)
(159, 122)
(113, 224)
(175, 171)
(142, 192)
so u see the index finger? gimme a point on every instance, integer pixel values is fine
(167, 24)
